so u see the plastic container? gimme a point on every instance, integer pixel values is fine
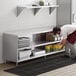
(24, 53)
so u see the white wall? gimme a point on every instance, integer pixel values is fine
(73, 6)
(74, 11)
(64, 12)
(10, 21)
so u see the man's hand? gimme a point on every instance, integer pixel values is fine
(60, 46)
(62, 43)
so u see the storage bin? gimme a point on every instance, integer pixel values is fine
(38, 52)
(23, 42)
(24, 53)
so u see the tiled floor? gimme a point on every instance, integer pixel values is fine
(69, 70)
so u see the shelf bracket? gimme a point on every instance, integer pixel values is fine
(36, 10)
(51, 9)
(19, 10)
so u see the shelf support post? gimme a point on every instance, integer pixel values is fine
(19, 10)
(36, 10)
(49, 10)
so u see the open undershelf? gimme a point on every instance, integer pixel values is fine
(22, 47)
(36, 8)
(37, 44)
(41, 55)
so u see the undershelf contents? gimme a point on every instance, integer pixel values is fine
(21, 48)
(53, 47)
(23, 42)
(38, 52)
(51, 37)
(24, 53)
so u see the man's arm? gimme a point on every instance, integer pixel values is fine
(62, 43)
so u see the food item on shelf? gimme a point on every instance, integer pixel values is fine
(49, 36)
(51, 47)
(58, 37)
(54, 47)
(57, 47)
(55, 37)
(48, 48)
(52, 38)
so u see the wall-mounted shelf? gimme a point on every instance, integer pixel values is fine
(36, 8)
